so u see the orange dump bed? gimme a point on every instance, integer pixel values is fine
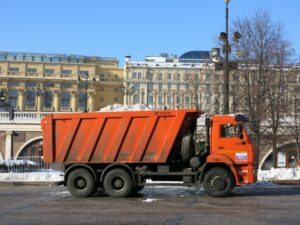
(130, 137)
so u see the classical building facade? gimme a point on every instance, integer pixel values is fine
(59, 82)
(172, 82)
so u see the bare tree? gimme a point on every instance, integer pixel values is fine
(262, 52)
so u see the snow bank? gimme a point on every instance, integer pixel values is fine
(43, 176)
(120, 108)
(11, 163)
(279, 174)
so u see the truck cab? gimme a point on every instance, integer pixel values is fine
(231, 151)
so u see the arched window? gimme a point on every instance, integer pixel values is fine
(34, 148)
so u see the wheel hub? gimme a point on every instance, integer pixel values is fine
(81, 183)
(118, 183)
(218, 183)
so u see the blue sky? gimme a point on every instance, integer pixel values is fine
(115, 28)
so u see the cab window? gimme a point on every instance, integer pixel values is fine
(228, 131)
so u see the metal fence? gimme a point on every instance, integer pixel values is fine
(30, 169)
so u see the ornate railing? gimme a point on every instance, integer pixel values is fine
(23, 117)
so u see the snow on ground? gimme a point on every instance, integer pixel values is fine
(120, 108)
(279, 174)
(42, 176)
(11, 163)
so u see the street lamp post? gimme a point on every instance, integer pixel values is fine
(86, 77)
(227, 50)
(226, 65)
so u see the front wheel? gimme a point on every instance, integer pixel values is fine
(218, 182)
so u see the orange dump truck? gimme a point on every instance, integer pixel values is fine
(116, 152)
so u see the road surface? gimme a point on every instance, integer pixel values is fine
(258, 204)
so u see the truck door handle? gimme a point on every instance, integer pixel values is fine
(241, 143)
(221, 147)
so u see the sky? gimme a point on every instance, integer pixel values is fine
(139, 28)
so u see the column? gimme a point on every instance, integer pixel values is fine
(74, 101)
(8, 144)
(56, 101)
(142, 97)
(39, 105)
(21, 101)
(125, 97)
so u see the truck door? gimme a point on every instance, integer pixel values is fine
(232, 143)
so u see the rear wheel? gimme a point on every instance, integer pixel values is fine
(81, 183)
(118, 183)
(218, 182)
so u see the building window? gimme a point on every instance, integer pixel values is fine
(187, 102)
(82, 100)
(49, 71)
(178, 87)
(150, 99)
(13, 70)
(178, 76)
(30, 84)
(13, 83)
(116, 100)
(187, 86)
(169, 99)
(178, 99)
(160, 85)
(159, 99)
(55, 59)
(31, 70)
(136, 99)
(30, 98)
(65, 85)
(66, 72)
(170, 76)
(83, 73)
(160, 76)
(65, 99)
(48, 84)
(48, 98)
(169, 86)
(13, 97)
(136, 87)
(150, 86)
(139, 75)
(46, 59)
(116, 76)
(134, 75)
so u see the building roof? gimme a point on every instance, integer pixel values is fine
(195, 57)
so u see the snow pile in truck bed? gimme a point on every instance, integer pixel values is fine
(120, 108)
(279, 174)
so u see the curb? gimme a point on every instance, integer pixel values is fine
(287, 182)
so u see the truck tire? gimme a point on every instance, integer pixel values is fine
(118, 183)
(218, 182)
(187, 149)
(80, 183)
